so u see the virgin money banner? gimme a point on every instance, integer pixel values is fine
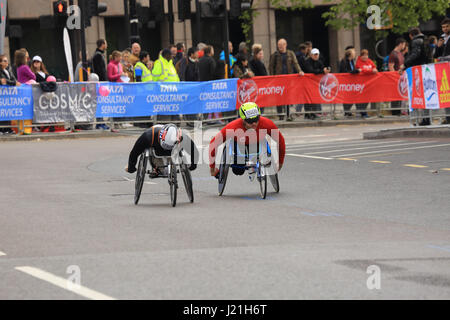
(330, 88)
(75, 102)
(165, 98)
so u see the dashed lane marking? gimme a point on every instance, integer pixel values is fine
(306, 156)
(379, 161)
(64, 283)
(347, 159)
(402, 149)
(334, 145)
(2, 254)
(445, 169)
(372, 147)
(415, 166)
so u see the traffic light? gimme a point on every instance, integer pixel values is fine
(237, 6)
(213, 8)
(93, 8)
(157, 10)
(184, 9)
(60, 8)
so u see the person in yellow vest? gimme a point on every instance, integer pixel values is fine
(163, 68)
(141, 71)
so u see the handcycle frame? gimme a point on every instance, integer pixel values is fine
(171, 163)
(232, 153)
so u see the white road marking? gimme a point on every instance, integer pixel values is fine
(378, 151)
(2, 254)
(306, 156)
(359, 143)
(372, 147)
(145, 182)
(64, 283)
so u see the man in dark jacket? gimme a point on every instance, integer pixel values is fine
(347, 65)
(417, 56)
(99, 60)
(207, 64)
(314, 65)
(283, 61)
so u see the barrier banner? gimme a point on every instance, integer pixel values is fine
(330, 88)
(75, 102)
(428, 86)
(165, 98)
(16, 103)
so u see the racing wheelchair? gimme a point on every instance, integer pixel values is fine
(168, 167)
(257, 164)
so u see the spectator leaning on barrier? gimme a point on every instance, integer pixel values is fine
(365, 66)
(38, 68)
(240, 68)
(141, 71)
(283, 61)
(314, 65)
(7, 78)
(396, 59)
(99, 60)
(24, 73)
(417, 56)
(348, 65)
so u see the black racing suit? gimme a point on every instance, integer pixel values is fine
(150, 138)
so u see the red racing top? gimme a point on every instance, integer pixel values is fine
(236, 130)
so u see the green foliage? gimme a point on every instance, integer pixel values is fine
(348, 14)
(404, 13)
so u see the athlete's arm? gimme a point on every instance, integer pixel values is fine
(220, 138)
(142, 143)
(275, 134)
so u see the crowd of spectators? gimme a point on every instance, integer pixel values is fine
(175, 63)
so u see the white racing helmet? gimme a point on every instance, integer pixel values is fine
(169, 136)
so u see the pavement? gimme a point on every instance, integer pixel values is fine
(355, 219)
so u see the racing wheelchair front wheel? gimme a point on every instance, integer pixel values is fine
(140, 177)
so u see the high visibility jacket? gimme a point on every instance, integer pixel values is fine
(146, 74)
(164, 71)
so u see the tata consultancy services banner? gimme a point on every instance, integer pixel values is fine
(75, 102)
(16, 103)
(330, 88)
(165, 98)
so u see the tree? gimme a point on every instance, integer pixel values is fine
(397, 15)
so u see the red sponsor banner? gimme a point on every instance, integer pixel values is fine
(330, 88)
(442, 78)
(417, 96)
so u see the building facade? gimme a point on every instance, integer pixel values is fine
(270, 24)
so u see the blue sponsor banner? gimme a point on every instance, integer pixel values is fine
(165, 98)
(16, 103)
